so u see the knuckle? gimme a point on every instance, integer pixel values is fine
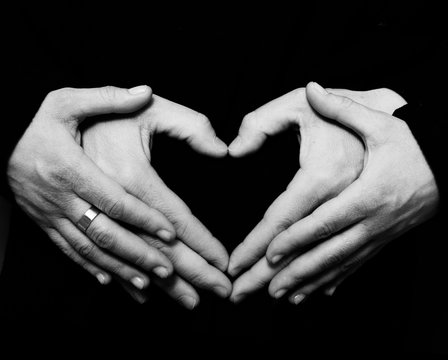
(128, 174)
(290, 278)
(162, 247)
(60, 99)
(251, 120)
(86, 250)
(64, 175)
(201, 279)
(142, 260)
(299, 95)
(322, 178)
(349, 265)
(278, 223)
(332, 260)
(323, 230)
(114, 208)
(108, 94)
(119, 269)
(201, 120)
(346, 102)
(183, 229)
(101, 237)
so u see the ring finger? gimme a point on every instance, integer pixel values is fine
(88, 250)
(115, 239)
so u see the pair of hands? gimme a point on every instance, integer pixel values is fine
(362, 182)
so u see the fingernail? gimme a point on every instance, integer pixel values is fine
(221, 291)
(138, 90)
(235, 144)
(138, 282)
(232, 269)
(165, 235)
(188, 301)
(298, 298)
(238, 298)
(161, 272)
(140, 299)
(276, 258)
(319, 88)
(330, 291)
(220, 145)
(280, 293)
(102, 279)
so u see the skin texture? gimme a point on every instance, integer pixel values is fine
(332, 158)
(55, 182)
(121, 148)
(345, 203)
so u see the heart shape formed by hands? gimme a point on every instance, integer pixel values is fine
(331, 157)
(339, 210)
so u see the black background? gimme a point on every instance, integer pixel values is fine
(225, 61)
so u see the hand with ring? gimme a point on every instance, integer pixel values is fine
(78, 205)
(121, 147)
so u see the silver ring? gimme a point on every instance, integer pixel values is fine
(85, 221)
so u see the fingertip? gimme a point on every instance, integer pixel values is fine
(221, 258)
(330, 291)
(189, 302)
(221, 148)
(243, 146)
(103, 278)
(162, 271)
(314, 86)
(140, 90)
(235, 147)
(222, 263)
(166, 235)
(274, 258)
(222, 291)
(237, 298)
(297, 298)
(233, 269)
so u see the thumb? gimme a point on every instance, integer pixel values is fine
(342, 109)
(81, 103)
(270, 119)
(186, 124)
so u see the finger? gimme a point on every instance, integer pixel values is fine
(270, 119)
(115, 239)
(77, 104)
(101, 191)
(91, 252)
(192, 267)
(300, 198)
(254, 279)
(188, 228)
(344, 110)
(179, 290)
(330, 280)
(334, 215)
(320, 259)
(102, 276)
(138, 295)
(185, 124)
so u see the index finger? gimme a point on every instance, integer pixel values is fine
(301, 197)
(91, 184)
(189, 229)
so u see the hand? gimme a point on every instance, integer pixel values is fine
(121, 148)
(55, 183)
(395, 192)
(331, 158)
